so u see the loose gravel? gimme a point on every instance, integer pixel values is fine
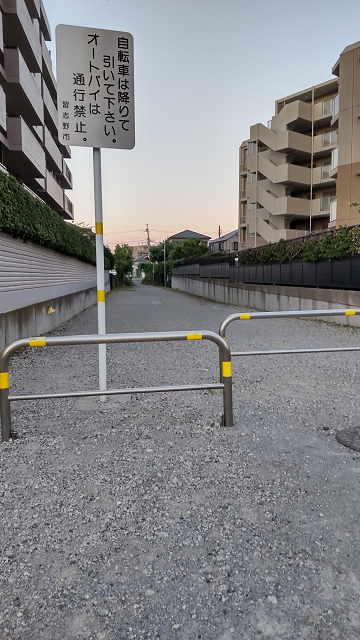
(142, 518)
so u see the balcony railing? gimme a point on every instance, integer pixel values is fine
(327, 106)
(333, 206)
(335, 105)
(334, 158)
(325, 171)
(329, 138)
(326, 202)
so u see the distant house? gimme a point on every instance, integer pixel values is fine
(187, 234)
(228, 242)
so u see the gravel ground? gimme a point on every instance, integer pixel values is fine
(143, 518)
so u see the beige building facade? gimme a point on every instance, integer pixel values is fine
(298, 174)
(29, 144)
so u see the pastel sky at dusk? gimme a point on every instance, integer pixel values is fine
(205, 70)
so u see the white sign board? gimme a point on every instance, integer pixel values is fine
(95, 84)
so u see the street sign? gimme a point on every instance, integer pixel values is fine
(95, 87)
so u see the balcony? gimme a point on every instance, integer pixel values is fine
(25, 156)
(335, 108)
(47, 69)
(51, 119)
(51, 192)
(33, 8)
(53, 154)
(242, 221)
(333, 208)
(23, 96)
(322, 144)
(44, 22)
(68, 208)
(242, 168)
(65, 177)
(3, 123)
(322, 175)
(334, 162)
(20, 31)
(242, 195)
(323, 112)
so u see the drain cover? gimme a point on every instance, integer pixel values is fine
(349, 438)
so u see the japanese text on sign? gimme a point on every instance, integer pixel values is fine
(95, 78)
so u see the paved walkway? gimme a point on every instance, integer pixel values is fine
(143, 518)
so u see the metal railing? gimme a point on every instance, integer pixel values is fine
(264, 315)
(10, 350)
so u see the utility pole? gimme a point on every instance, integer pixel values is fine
(148, 237)
(164, 265)
(219, 232)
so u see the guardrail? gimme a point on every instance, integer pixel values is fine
(10, 350)
(265, 315)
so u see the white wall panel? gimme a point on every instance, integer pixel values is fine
(30, 274)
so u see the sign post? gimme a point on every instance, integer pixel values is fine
(95, 82)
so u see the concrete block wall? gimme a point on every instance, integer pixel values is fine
(271, 297)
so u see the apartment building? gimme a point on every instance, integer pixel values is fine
(299, 173)
(29, 145)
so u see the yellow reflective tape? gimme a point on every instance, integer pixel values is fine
(245, 316)
(350, 312)
(226, 369)
(194, 336)
(4, 380)
(37, 342)
(101, 296)
(99, 228)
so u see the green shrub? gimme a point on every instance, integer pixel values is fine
(23, 216)
(334, 246)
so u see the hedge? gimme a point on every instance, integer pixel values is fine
(333, 245)
(23, 216)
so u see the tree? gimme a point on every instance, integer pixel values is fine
(109, 255)
(123, 261)
(187, 248)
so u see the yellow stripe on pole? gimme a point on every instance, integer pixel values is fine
(350, 312)
(99, 228)
(245, 316)
(226, 369)
(196, 335)
(4, 380)
(101, 295)
(37, 342)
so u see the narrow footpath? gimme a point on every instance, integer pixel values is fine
(142, 517)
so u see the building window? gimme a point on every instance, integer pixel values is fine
(335, 105)
(328, 138)
(248, 234)
(221, 246)
(211, 247)
(235, 246)
(252, 148)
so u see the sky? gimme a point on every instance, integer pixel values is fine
(205, 71)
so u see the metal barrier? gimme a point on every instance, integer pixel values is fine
(264, 315)
(224, 352)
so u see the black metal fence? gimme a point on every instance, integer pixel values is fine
(328, 274)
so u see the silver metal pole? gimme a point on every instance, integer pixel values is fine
(8, 352)
(312, 156)
(100, 271)
(265, 315)
(164, 265)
